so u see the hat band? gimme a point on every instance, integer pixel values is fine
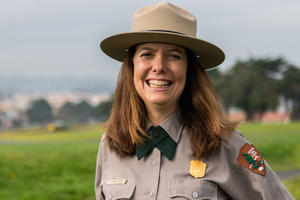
(167, 31)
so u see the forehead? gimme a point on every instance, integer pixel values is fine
(156, 46)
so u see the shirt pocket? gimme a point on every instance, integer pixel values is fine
(198, 189)
(118, 191)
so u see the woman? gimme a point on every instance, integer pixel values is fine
(167, 137)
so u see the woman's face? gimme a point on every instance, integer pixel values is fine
(159, 73)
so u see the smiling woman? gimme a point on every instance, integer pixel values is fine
(167, 137)
(159, 77)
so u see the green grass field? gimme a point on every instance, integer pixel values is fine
(36, 164)
(279, 144)
(40, 165)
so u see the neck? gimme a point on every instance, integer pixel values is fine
(157, 114)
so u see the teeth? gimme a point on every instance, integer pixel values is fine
(158, 83)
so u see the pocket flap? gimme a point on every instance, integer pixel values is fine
(118, 191)
(197, 189)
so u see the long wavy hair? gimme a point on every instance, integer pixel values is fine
(200, 112)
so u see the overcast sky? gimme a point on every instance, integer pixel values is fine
(60, 38)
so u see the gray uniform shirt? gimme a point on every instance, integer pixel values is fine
(156, 177)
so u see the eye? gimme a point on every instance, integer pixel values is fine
(146, 54)
(176, 56)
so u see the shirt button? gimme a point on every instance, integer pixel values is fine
(150, 194)
(195, 194)
(154, 162)
(109, 196)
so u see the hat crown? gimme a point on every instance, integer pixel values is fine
(163, 23)
(164, 17)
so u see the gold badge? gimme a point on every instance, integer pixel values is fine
(197, 168)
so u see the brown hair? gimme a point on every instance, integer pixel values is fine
(200, 112)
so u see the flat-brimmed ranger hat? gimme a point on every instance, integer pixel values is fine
(163, 23)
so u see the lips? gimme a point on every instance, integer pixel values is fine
(158, 83)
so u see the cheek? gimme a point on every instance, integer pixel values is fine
(138, 75)
(181, 75)
(139, 69)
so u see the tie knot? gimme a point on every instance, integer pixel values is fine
(160, 139)
(156, 131)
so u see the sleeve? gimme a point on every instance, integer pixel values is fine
(98, 193)
(246, 174)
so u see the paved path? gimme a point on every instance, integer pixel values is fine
(288, 174)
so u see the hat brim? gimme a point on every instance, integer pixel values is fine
(116, 46)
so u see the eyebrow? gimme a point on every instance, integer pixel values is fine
(176, 50)
(147, 48)
(170, 50)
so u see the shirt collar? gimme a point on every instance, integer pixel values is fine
(172, 125)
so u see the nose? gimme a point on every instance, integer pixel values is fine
(158, 64)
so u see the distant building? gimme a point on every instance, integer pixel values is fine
(270, 117)
(237, 116)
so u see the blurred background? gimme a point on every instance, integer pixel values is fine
(56, 85)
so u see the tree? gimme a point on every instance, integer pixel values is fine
(216, 77)
(84, 112)
(1, 123)
(40, 112)
(71, 113)
(290, 89)
(219, 81)
(104, 109)
(254, 85)
(67, 113)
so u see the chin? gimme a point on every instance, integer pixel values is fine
(159, 101)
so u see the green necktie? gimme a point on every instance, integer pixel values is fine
(161, 140)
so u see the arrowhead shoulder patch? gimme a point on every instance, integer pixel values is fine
(250, 158)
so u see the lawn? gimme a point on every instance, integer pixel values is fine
(40, 165)
(36, 164)
(279, 144)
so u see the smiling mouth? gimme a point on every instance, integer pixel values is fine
(159, 83)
